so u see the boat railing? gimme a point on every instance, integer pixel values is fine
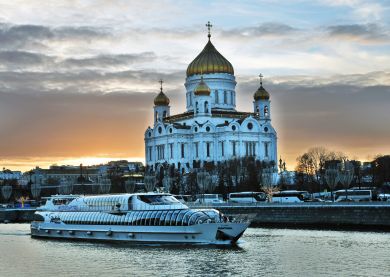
(115, 208)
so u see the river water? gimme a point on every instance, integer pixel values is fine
(261, 252)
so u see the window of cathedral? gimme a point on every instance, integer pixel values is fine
(222, 149)
(196, 149)
(266, 111)
(182, 150)
(234, 127)
(207, 129)
(206, 107)
(196, 129)
(250, 126)
(164, 114)
(216, 97)
(159, 130)
(171, 150)
(149, 134)
(196, 107)
(265, 129)
(207, 149)
(234, 147)
(225, 97)
(170, 130)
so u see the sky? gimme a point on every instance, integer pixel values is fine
(78, 78)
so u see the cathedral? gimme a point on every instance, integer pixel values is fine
(211, 129)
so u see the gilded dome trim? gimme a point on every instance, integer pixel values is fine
(161, 99)
(202, 88)
(209, 61)
(261, 94)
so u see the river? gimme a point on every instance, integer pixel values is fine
(261, 252)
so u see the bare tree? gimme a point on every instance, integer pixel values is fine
(312, 163)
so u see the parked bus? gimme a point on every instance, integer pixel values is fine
(290, 196)
(247, 197)
(208, 199)
(353, 195)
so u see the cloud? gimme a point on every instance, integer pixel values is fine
(109, 60)
(19, 37)
(20, 60)
(263, 30)
(361, 32)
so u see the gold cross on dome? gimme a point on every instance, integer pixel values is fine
(161, 82)
(208, 25)
(261, 79)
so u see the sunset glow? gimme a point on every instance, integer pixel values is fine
(77, 85)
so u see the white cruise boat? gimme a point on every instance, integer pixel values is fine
(138, 217)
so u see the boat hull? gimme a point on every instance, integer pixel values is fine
(210, 233)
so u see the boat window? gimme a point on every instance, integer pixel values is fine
(180, 217)
(130, 203)
(158, 199)
(162, 217)
(157, 219)
(138, 218)
(71, 218)
(186, 217)
(123, 219)
(173, 218)
(146, 221)
(194, 217)
(168, 218)
(38, 217)
(132, 218)
(153, 218)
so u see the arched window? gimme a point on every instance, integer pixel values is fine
(196, 107)
(225, 97)
(156, 116)
(206, 107)
(216, 97)
(164, 114)
(266, 111)
(257, 110)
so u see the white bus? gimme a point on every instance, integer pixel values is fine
(290, 196)
(353, 195)
(208, 199)
(247, 197)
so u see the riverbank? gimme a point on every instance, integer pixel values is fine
(357, 216)
(17, 215)
(353, 216)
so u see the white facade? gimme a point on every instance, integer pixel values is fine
(7, 174)
(211, 130)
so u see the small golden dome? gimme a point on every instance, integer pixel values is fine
(202, 88)
(261, 94)
(161, 99)
(209, 61)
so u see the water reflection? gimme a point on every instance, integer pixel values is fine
(266, 252)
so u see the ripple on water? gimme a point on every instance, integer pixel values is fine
(262, 252)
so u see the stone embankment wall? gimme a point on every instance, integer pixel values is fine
(317, 215)
(16, 215)
(324, 215)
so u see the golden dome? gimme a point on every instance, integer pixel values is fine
(202, 88)
(209, 61)
(161, 99)
(261, 94)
